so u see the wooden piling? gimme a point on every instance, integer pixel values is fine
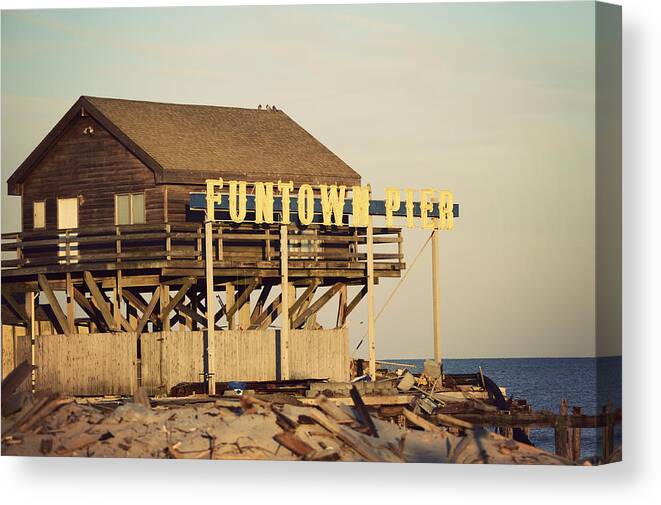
(286, 322)
(607, 432)
(575, 435)
(210, 305)
(562, 447)
(371, 331)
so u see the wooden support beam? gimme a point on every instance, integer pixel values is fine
(210, 322)
(99, 300)
(191, 313)
(15, 306)
(30, 299)
(342, 308)
(165, 299)
(89, 309)
(314, 308)
(261, 301)
(284, 282)
(71, 305)
(436, 294)
(165, 312)
(230, 299)
(371, 330)
(137, 301)
(305, 297)
(60, 316)
(221, 311)
(266, 317)
(355, 301)
(149, 309)
(245, 295)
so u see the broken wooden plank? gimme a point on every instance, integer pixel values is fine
(290, 441)
(421, 422)
(363, 413)
(333, 410)
(349, 437)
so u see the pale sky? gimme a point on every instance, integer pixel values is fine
(495, 102)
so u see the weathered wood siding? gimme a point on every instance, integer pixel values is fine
(177, 203)
(87, 364)
(248, 355)
(319, 354)
(16, 348)
(93, 168)
(169, 358)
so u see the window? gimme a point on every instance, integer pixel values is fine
(130, 208)
(39, 215)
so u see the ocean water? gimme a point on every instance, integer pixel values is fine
(585, 382)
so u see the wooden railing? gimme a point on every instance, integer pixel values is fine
(183, 243)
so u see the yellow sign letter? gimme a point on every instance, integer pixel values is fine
(238, 214)
(213, 197)
(305, 204)
(361, 205)
(393, 203)
(426, 206)
(285, 188)
(264, 202)
(446, 211)
(332, 202)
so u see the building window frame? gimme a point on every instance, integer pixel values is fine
(131, 210)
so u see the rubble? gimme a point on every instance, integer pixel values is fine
(273, 427)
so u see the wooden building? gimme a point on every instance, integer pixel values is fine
(109, 246)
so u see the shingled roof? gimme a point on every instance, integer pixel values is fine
(190, 143)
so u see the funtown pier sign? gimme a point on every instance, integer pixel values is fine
(331, 205)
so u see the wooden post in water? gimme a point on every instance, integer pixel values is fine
(371, 332)
(562, 446)
(210, 308)
(607, 432)
(436, 293)
(284, 281)
(576, 437)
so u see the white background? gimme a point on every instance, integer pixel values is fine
(636, 480)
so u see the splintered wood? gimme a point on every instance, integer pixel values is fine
(248, 427)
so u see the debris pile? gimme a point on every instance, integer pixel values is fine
(273, 427)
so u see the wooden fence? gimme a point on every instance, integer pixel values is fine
(246, 355)
(169, 358)
(107, 363)
(86, 364)
(319, 354)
